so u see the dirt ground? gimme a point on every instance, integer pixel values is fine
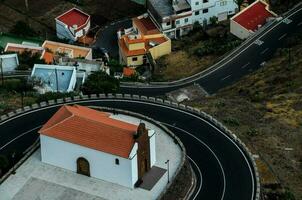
(41, 14)
(265, 110)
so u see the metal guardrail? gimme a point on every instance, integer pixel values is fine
(183, 107)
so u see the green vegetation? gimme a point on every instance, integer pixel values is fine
(115, 66)
(100, 82)
(22, 28)
(195, 52)
(27, 60)
(264, 109)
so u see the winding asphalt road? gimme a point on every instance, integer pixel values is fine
(221, 166)
(223, 169)
(240, 62)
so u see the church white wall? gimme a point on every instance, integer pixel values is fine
(152, 134)
(102, 165)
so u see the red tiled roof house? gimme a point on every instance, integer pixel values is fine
(92, 143)
(72, 24)
(250, 19)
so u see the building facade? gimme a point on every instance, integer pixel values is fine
(8, 62)
(54, 78)
(176, 18)
(72, 24)
(98, 146)
(52, 49)
(143, 43)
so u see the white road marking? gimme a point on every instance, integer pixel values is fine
(225, 77)
(200, 174)
(282, 36)
(258, 42)
(19, 136)
(244, 66)
(287, 21)
(265, 50)
(154, 104)
(224, 60)
(212, 152)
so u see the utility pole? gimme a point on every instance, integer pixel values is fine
(57, 81)
(289, 56)
(168, 168)
(26, 5)
(2, 76)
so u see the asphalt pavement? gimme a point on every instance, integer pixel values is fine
(107, 37)
(238, 63)
(223, 170)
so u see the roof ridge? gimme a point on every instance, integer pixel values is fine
(96, 121)
(72, 115)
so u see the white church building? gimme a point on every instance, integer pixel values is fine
(91, 143)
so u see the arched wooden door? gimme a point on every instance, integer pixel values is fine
(83, 166)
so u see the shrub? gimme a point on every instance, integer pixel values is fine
(21, 28)
(231, 121)
(100, 82)
(54, 95)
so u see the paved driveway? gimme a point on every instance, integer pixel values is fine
(107, 37)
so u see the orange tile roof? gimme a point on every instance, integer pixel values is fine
(20, 49)
(90, 128)
(127, 71)
(145, 25)
(48, 57)
(127, 52)
(77, 51)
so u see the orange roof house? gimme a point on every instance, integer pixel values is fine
(143, 38)
(98, 144)
(20, 48)
(92, 129)
(64, 50)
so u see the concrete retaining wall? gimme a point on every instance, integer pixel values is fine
(189, 109)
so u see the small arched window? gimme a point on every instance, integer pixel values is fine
(117, 161)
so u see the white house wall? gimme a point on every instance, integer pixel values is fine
(63, 32)
(102, 165)
(73, 81)
(239, 30)
(152, 147)
(215, 8)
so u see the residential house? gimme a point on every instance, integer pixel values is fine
(81, 65)
(91, 143)
(53, 49)
(72, 24)
(20, 48)
(9, 38)
(250, 19)
(8, 63)
(176, 18)
(54, 78)
(143, 43)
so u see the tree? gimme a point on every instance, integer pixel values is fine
(27, 60)
(239, 3)
(115, 66)
(213, 20)
(100, 82)
(21, 28)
